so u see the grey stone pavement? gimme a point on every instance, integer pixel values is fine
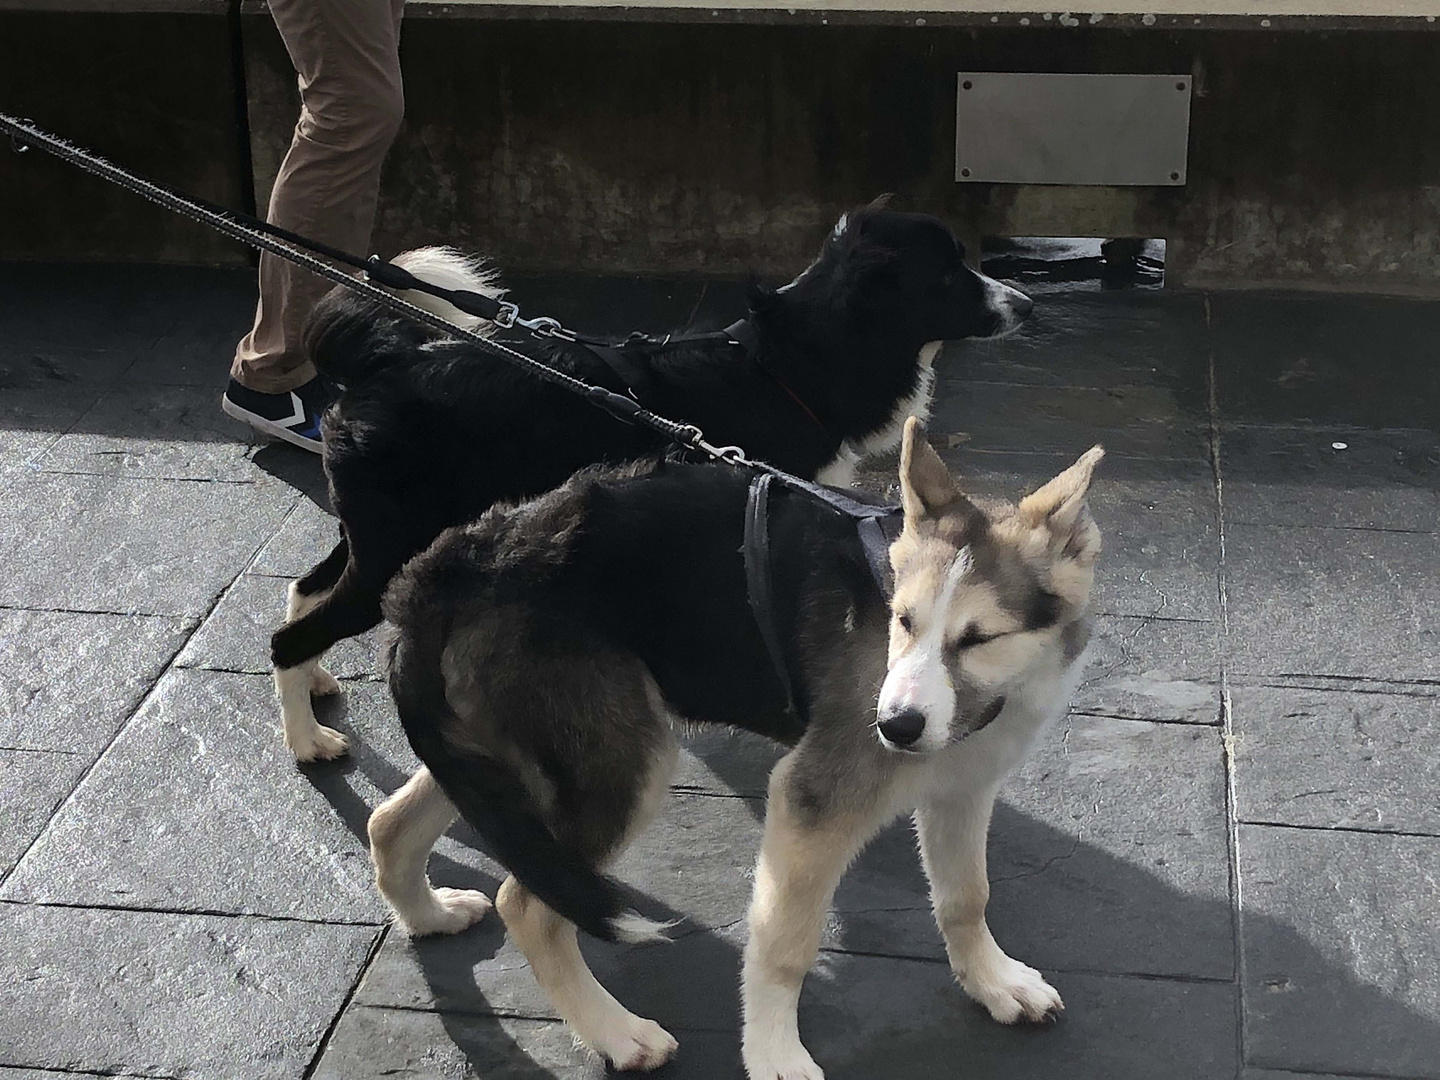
(1226, 859)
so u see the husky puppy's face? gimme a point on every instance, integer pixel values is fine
(984, 599)
(891, 264)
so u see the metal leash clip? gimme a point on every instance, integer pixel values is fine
(545, 326)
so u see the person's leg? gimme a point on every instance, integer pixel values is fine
(346, 53)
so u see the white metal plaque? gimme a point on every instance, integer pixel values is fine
(1121, 130)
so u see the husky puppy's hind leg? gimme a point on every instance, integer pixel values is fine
(403, 829)
(549, 942)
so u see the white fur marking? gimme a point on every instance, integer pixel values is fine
(1007, 303)
(840, 472)
(920, 680)
(450, 269)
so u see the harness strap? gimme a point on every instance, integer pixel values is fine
(877, 526)
(632, 371)
(757, 579)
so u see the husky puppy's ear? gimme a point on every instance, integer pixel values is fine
(1060, 508)
(926, 490)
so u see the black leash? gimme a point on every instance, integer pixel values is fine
(874, 523)
(288, 246)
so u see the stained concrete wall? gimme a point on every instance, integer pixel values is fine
(153, 91)
(1315, 155)
(616, 145)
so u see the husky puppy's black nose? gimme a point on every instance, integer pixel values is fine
(904, 728)
(1023, 305)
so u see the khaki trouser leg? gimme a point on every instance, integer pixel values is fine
(346, 53)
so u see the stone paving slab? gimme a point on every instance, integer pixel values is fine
(166, 994)
(1327, 758)
(1152, 669)
(1308, 601)
(306, 537)
(1367, 362)
(1299, 476)
(198, 806)
(105, 531)
(1342, 962)
(1108, 853)
(157, 432)
(236, 636)
(1158, 521)
(1100, 340)
(32, 785)
(69, 680)
(439, 1046)
(53, 1074)
(31, 420)
(862, 1017)
(53, 367)
(1142, 421)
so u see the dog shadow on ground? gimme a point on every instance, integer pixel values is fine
(300, 469)
(882, 1002)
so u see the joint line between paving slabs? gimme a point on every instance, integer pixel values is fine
(324, 1043)
(124, 726)
(1227, 718)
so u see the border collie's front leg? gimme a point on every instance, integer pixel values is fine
(350, 608)
(801, 861)
(953, 828)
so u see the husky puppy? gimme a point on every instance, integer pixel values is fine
(430, 432)
(546, 653)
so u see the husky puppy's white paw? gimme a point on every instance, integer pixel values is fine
(788, 1062)
(454, 910)
(637, 1045)
(1013, 991)
(318, 743)
(322, 683)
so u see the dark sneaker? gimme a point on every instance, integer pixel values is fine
(293, 416)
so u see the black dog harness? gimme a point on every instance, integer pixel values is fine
(633, 370)
(878, 526)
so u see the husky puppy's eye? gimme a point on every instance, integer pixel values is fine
(969, 639)
(906, 622)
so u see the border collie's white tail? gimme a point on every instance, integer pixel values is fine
(451, 268)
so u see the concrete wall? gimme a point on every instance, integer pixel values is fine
(647, 146)
(153, 91)
(1315, 155)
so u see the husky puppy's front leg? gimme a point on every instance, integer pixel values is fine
(953, 829)
(801, 862)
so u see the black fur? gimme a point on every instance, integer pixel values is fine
(618, 577)
(429, 432)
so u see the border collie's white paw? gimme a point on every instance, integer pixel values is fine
(1012, 992)
(319, 743)
(322, 683)
(454, 910)
(791, 1062)
(637, 1045)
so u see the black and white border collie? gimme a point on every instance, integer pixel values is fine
(430, 432)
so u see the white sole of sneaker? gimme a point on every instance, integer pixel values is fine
(269, 427)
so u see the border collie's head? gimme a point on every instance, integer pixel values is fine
(907, 272)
